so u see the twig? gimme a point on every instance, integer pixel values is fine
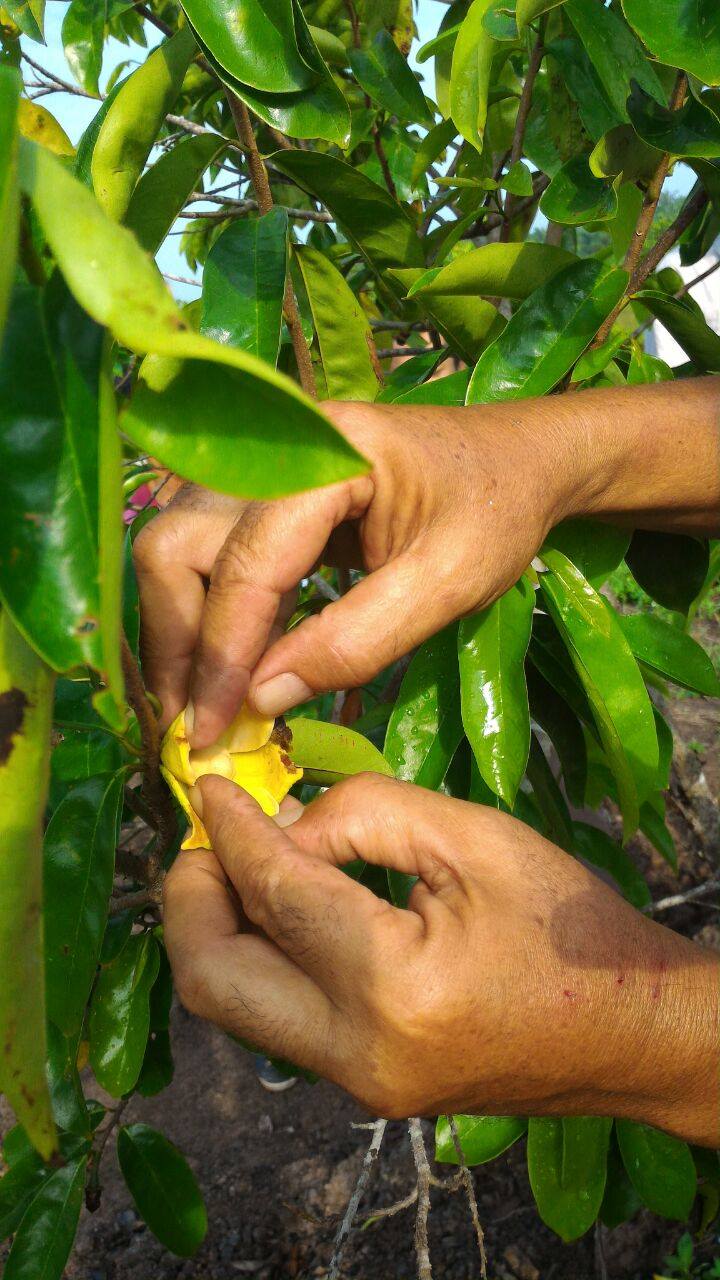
(679, 899)
(155, 793)
(93, 1190)
(325, 589)
(134, 901)
(237, 208)
(378, 1132)
(261, 187)
(521, 120)
(668, 238)
(690, 284)
(422, 1168)
(600, 1263)
(385, 167)
(182, 279)
(470, 1192)
(390, 1210)
(385, 352)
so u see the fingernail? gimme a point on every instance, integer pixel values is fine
(290, 810)
(189, 718)
(196, 800)
(279, 694)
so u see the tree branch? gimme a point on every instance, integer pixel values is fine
(668, 238)
(679, 899)
(154, 791)
(378, 1132)
(134, 901)
(521, 120)
(470, 1192)
(422, 1169)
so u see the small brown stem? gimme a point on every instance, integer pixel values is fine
(385, 167)
(470, 1192)
(154, 792)
(422, 1170)
(93, 1190)
(668, 238)
(261, 187)
(133, 901)
(516, 150)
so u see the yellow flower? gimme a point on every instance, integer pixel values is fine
(252, 752)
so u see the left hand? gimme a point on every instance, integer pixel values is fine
(516, 983)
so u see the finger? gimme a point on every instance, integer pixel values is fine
(172, 555)
(240, 981)
(320, 918)
(351, 640)
(271, 548)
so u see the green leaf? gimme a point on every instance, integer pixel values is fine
(683, 35)
(615, 53)
(567, 1163)
(83, 156)
(671, 567)
(689, 329)
(528, 10)
(450, 390)
(583, 83)
(158, 1067)
(254, 41)
(564, 730)
(29, 16)
(425, 728)
(482, 1138)
(596, 847)
(547, 333)
(375, 224)
(179, 407)
(670, 652)
(690, 130)
(50, 565)
(66, 1092)
(45, 1236)
(384, 74)
(620, 151)
(432, 145)
(79, 860)
(26, 687)
(472, 62)
(556, 823)
(575, 196)
(83, 30)
(164, 1188)
(244, 284)
(119, 1020)
(10, 86)
(609, 674)
(467, 324)
(653, 825)
(330, 752)
(343, 334)
(595, 548)
(495, 270)
(621, 1201)
(132, 123)
(599, 359)
(163, 190)
(660, 1168)
(319, 111)
(409, 375)
(491, 651)
(18, 1187)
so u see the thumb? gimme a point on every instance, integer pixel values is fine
(382, 618)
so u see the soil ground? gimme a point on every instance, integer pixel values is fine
(277, 1170)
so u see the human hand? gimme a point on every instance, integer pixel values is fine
(517, 982)
(449, 518)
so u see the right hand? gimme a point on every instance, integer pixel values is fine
(456, 506)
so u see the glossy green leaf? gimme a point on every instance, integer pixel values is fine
(158, 1068)
(29, 16)
(496, 270)
(472, 62)
(409, 375)
(482, 1138)
(319, 111)
(83, 156)
(50, 565)
(564, 730)
(330, 752)
(133, 122)
(660, 1168)
(653, 825)
(671, 567)
(595, 548)
(567, 1163)
(575, 196)
(491, 651)
(10, 85)
(550, 802)
(373, 222)
(178, 407)
(163, 1187)
(162, 191)
(18, 1187)
(596, 112)
(450, 390)
(644, 368)
(80, 753)
(691, 130)
(550, 657)
(79, 857)
(45, 1236)
(432, 145)
(598, 360)
(244, 285)
(596, 847)
(25, 703)
(621, 1201)
(620, 151)
(689, 329)
(682, 34)
(547, 333)
(670, 652)
(615, 53)
(609, 674)
(384, 74)
(467, 324)
(425, 727)
(83, 30)
(255, 41)
(343, 334)
(528, 10)
(66, 1092)
(119, 1021)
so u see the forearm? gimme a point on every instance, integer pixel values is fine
(649, 455)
